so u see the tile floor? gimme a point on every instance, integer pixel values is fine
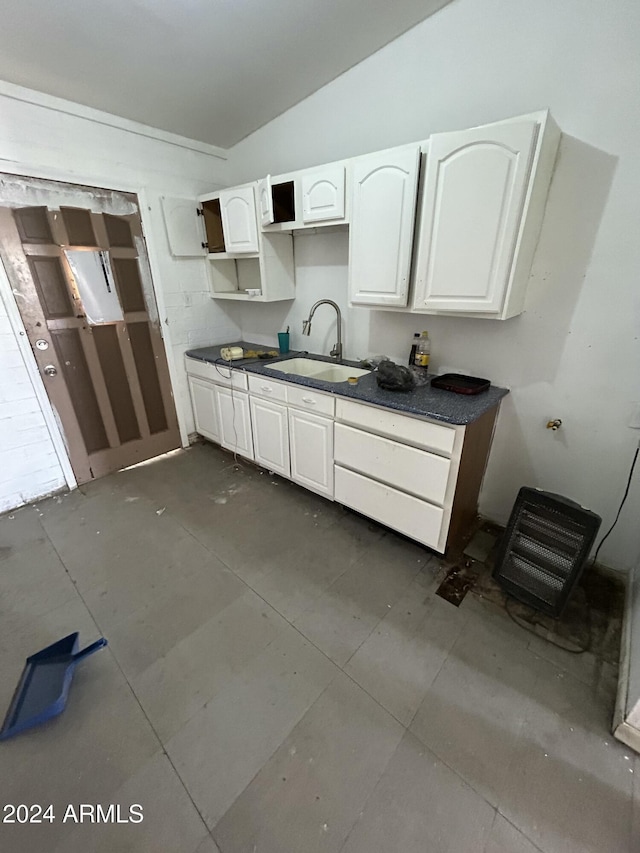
(281, 678)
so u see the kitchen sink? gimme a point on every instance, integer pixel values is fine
(322, 370)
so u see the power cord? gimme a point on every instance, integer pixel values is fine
(626, 494)
(523, 624)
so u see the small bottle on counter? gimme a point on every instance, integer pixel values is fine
(423, 352)
(414, 348)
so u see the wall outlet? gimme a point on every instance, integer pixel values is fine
(634, 420)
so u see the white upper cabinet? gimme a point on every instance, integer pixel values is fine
(265, 201)
(323, 194)
(381, 230)
(480, 218)
(185, 234)
(238, 210)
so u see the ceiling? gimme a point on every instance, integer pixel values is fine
(212, 70)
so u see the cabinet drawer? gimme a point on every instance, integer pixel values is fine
(218, 373)
(418, 519)
(313, 401)
(417, 471)
(397, 426)
(267, 388)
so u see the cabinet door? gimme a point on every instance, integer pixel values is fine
(238, 209)
(205, 410)
(235, 421)
(474, 191)
(323, 194)
(265, 201)
(381, 230)
(270, 435)
(311, 447)
(184, 227)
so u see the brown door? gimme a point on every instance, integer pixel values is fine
(104, 369)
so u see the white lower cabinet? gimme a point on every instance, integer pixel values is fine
(270, 435)
(235, 420)
(402, 512)
(399, 481)
(311, 445)
(205, 412)
(415, 475)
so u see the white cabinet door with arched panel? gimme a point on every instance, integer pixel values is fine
(270, 435)
(311, 448)
(323, 194)
(238, 210)
(381, 230)
(205, 409)
(235, 421)
(474, 195)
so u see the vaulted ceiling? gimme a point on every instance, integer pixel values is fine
(213, 70)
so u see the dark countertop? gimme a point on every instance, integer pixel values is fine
(425, 401)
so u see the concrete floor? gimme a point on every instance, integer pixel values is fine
(281, 678)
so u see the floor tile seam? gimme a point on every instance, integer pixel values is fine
(375, 788)
(522, 831)
(564, 667)
(377, 625)
(209, 698)
(137, 700)
(517, 829)
(454, 770)
(270, 756)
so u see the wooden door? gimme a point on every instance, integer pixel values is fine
(474, 191)
(385, 186)
(323, 194)
(311, 446)
(238, 209)
(107, 379)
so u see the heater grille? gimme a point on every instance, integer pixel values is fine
(544, 549)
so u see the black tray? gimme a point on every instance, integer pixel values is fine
(460, 384)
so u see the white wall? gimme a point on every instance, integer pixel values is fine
(54, 139)
(29, 466)
(574, 353)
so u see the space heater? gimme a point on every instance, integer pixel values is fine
(544, 549)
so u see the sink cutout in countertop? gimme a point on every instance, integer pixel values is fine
(322, 370)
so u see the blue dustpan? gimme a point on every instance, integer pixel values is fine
(44, 684)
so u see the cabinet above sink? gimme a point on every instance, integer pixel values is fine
(448, 225)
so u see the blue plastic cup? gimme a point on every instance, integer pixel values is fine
(283, 342)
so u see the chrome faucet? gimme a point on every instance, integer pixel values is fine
(336, 352)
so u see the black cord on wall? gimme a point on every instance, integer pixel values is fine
(626, 493)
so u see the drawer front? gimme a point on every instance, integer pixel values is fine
(312, 401)
(218, 373)
(398, 426)
(267, 388)
(417, 471)
(417, 519)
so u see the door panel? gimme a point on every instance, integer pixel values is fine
(238, 208)
(385, 187)
(323, 195)
(265, 201)
(234, 420)
(475, 186)
(80, 386)
(108, 383)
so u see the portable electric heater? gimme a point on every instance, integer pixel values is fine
(544, 549)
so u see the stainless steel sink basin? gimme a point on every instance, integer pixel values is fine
(322, 370)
